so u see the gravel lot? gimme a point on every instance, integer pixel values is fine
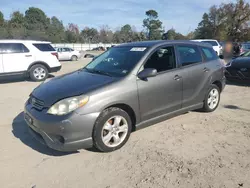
(195, 150)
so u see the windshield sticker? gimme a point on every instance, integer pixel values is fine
(138, 49)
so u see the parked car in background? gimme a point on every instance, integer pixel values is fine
(89, 56)
(100, 48)
(216, 45)
(33, 59)
(65, 54)
(238, 68)
(126, 88)
(244, 47)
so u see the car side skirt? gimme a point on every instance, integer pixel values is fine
(164, 117)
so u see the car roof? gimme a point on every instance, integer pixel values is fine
(205, 40)
(24, 41)
(160, 42)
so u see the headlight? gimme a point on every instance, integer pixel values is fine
(68, 105)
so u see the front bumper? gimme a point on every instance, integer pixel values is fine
(63, 133)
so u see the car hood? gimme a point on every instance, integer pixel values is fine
(68, 85)
(241, 60)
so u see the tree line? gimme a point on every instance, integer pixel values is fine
(228, 21)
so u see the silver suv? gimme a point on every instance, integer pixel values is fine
(128, 87)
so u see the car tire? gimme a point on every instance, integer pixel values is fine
(38, 73)
(212, 99)
(74, 58)
(111, 130)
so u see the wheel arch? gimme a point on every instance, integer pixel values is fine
(218, 84)
(127, 109)
(39, 63)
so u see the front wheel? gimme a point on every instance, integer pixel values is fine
(112, 129)
(38, 73)
(212, 99)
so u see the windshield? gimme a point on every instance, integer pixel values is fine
(213, 43)
(246, 46)
(247, 54)
(118, 61)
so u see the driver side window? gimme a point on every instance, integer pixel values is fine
(162, 59)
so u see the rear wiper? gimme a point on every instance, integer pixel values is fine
(99, 72)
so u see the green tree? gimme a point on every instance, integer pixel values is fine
(3, 29)
(72, 33)
(16, 26)
(55, 30)
(190, 35)
(1, 18)
(204, 30)
(126, 33)
(36, 19)
(237, 18)
(89, 35)
(173, 35)
(153, 25)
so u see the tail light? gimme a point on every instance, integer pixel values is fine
(55, 54)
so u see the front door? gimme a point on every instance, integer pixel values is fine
(163, 93)
(16, 57)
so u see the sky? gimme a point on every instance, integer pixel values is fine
(182, 15)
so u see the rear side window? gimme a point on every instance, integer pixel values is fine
(44, 47)
(213, 43)
(209, 54)
(66, 49)
(13, 48)
(189, 55)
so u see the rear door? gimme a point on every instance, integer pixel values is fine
(193, 74)
(1, 59)
(16, 57)
(161, 94)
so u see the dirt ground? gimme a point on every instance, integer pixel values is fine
(194, 150)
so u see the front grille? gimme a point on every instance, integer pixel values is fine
(36, 103)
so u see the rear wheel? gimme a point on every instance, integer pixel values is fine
(112, 129)
(212, 99)
(74, 58)
(38, 73)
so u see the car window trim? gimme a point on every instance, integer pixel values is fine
(193, 64)
(153, 51)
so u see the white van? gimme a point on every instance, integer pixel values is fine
(35, 59)
(216, 45)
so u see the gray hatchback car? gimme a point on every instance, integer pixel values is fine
(128, 87)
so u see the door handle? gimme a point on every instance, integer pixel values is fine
(28, 55)
(206, 69)
(177, 77)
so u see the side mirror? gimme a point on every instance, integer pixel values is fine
(146, 73)
(221, 56)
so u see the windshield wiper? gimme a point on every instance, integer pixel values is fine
(98, 72)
